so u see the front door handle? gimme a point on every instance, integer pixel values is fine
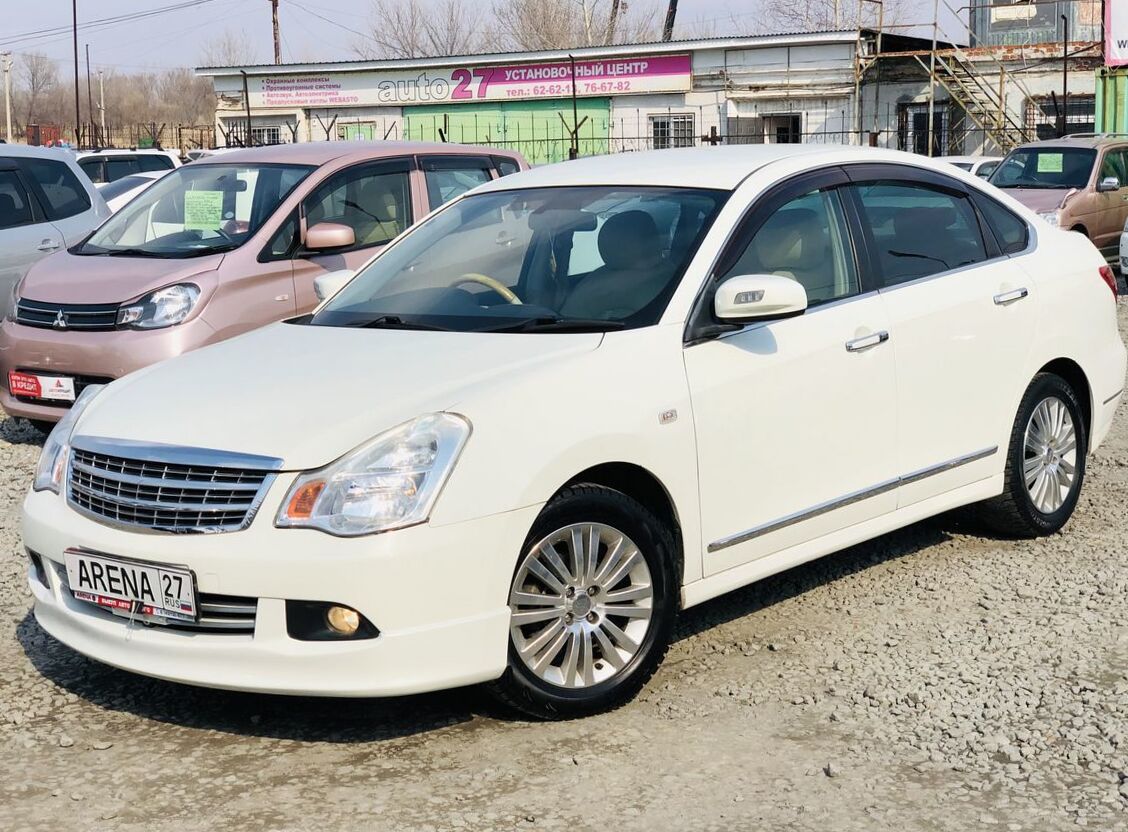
(49, 245)
(1011, 296)
(867, 341)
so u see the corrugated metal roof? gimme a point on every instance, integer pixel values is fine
(727, 42)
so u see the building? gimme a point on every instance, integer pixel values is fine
(860, 86)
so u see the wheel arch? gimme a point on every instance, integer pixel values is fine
(1071, 371)
(642, 485)
(1080, 229)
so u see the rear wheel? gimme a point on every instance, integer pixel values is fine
(593, 603)
(1045, 462)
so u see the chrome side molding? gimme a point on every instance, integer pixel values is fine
(849, 499)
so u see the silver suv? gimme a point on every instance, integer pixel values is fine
(46, 203)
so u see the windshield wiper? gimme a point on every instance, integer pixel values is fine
(131, 252)
(560, 324)
(396, 322)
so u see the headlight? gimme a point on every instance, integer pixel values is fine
(53, 459)
(164, 307)
(388, 483)
(1052, 217)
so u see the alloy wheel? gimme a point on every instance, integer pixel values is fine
(1050, 455)
(581, 602)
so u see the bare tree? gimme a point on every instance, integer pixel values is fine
(231, 48)
(826, 15)
(411, 29)
(38, 76)
(562, 24)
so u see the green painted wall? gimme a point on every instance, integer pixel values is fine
(1112, 100)
(533, 128)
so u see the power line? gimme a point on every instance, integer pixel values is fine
(101, 23)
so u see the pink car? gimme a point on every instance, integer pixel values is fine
(214, 249)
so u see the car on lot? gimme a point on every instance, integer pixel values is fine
(112, 164)
(981, 166)
(568, 405)
(1079, 183)
(119, 192)
(1124, 250)
(216, 248)
(46, 204)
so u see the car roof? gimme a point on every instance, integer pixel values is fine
(31, 150)
(320, 153)
(1088, 141)
(117, 151)
(974, 160)
(719, 168)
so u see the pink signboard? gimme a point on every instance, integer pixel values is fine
(1116, 33)
(625, 76)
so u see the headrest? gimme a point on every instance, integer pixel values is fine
(7, 205)
(791, 239)
(629, 240)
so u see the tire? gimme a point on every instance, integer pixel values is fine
(583, 666)
(1025, 511)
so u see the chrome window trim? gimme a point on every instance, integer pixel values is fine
(849, 499)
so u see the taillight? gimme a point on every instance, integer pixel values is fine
(1109, 277)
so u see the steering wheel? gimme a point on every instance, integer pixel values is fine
(487, 281)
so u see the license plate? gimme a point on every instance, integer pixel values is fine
(132, 587)
(52, 388)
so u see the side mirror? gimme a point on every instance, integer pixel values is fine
(754, 297)
(329, 235)
(1109, 183)
(329, 284)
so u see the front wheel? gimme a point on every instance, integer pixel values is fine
(1045, 462)
(593, 603)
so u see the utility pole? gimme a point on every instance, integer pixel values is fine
(277, 36)
(102, 103)
(671, 14)
(77, 114)
(89, 92)
(1065, 78)
(6, 57)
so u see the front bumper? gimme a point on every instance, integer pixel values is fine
(87, 354)
(437, 594)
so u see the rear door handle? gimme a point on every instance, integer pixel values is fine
(867, 341)
(49, 245)
(1010, 297)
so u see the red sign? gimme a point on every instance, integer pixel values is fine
(22, 384)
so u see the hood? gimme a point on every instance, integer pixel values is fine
(71, 278)
(308, 394)
(1040, 199)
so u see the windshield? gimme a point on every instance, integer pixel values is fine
(584, 258)
(1045, 167)
(195, 210)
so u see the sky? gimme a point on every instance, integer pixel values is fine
(311, 29)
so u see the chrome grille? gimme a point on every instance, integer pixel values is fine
(167, 488)
(86, 317)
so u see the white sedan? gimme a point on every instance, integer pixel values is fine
(568, 405)
(121, 192)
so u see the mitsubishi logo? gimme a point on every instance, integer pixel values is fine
(60, 320)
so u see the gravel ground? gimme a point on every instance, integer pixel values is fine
(934, 679)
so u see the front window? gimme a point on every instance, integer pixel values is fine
(195, 210)
(595, 258)
(1045, 167)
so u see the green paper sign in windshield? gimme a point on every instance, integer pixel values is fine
(203, 210)
(1050, 162)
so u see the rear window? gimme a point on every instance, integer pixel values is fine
(115, 189)
(15, 207)
(155, 161)
(59, 190)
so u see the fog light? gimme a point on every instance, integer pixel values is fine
(343, 620)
